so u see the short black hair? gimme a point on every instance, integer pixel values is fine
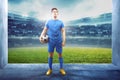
(53, 9)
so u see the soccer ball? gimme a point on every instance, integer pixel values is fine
(44, 39)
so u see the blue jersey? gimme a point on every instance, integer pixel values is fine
(54, 29)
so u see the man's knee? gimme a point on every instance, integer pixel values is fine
(60, 55)
(50, 54)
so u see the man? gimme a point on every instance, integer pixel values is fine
(56, 33)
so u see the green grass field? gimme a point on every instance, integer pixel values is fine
(70, 55)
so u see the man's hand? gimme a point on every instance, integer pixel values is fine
(43, 33)
(41, 40)
(63, 43)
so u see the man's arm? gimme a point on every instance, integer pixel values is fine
(63, 36)
(43, 33)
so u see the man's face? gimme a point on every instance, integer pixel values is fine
(55, 13)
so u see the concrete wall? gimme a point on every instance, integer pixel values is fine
(3, 34)
(116, 33)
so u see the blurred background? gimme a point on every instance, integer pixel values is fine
(88, 23)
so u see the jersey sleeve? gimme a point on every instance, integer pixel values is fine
(62, 25)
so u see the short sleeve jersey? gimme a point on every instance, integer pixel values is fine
(54, 28)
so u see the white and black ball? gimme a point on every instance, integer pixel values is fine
(44, 39)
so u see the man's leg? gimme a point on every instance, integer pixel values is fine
(62, 71)
(60, 60)
(59, 51)
(50, 59)
(51, 46)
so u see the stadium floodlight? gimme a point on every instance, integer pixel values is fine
(25, 15)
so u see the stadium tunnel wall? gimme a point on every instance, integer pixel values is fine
(115, 33)
(3, 34)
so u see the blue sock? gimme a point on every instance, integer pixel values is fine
(50, 62)
(61, 62)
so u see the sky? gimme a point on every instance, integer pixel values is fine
(68, 9)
